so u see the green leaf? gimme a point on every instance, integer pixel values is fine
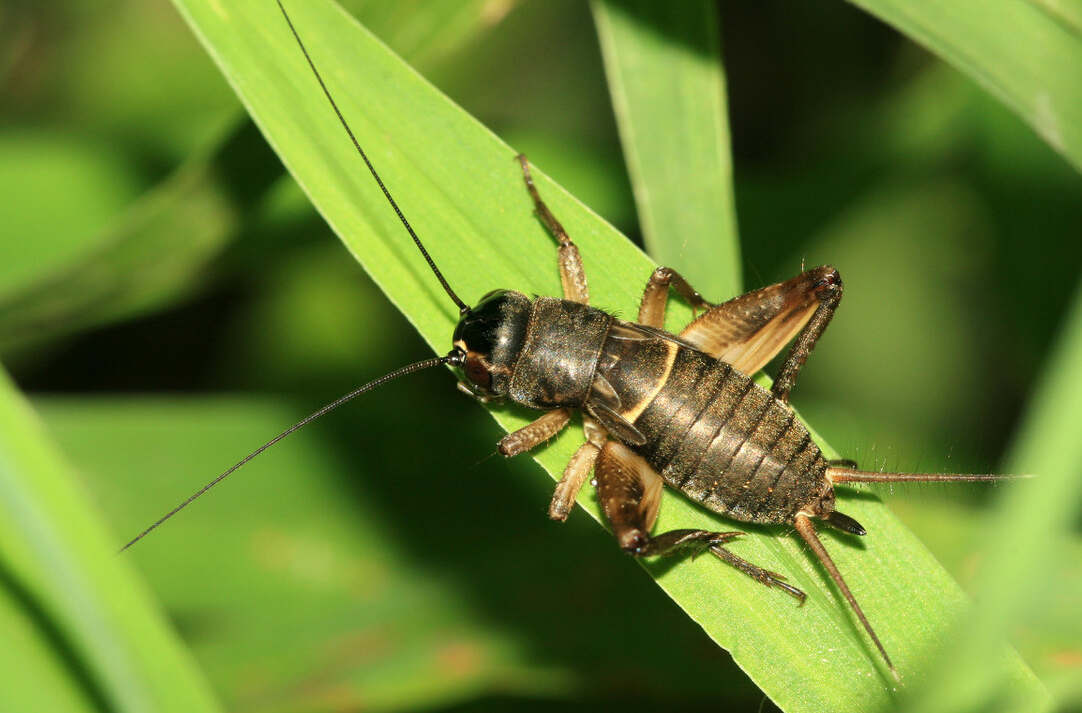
(462, 192)
(663, 63)
(1027, 54)
(80, 633)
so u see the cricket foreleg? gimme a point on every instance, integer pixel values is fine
(572, 274)
(577, 470)
(534, 434)
(630, 495)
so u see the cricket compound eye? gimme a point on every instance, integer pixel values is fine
(477, 371)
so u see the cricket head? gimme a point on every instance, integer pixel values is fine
(489, 338)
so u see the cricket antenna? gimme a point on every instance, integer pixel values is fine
(454, 359)
(463, 308)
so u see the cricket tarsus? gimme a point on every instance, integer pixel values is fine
(454, 358)
(463, 308)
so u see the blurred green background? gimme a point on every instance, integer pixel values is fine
(168, 300)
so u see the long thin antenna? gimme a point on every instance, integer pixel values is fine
(454, 358)
(463, 308)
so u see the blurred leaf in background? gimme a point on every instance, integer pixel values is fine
(154, 256)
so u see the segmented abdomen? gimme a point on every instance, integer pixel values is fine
(714, 434)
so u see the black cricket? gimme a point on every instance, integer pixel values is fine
(657, 408)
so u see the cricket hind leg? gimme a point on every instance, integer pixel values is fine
(827, 288)
(751, 329)
(572, 273)
(630, 495)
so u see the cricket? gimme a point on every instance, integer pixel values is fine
(657, 409)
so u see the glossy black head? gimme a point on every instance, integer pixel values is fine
(491, 336)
